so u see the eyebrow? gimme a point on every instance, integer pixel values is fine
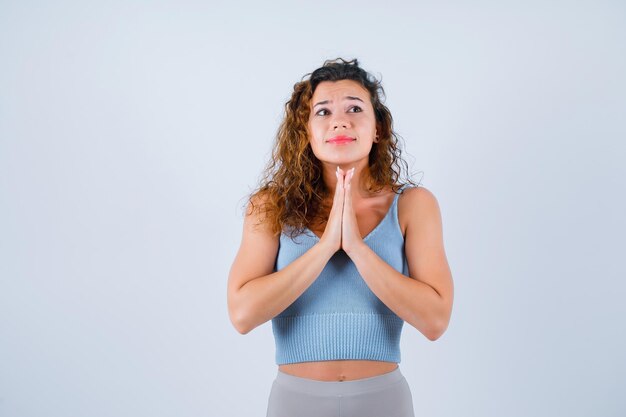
(345, 98)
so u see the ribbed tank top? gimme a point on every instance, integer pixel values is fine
(338, 316)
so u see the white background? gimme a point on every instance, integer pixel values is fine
(130, 133)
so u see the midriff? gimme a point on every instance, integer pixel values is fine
(341, 370)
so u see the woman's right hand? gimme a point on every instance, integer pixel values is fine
(332, 232)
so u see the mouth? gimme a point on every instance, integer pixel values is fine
(341, 139)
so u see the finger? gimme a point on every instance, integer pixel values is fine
(340, 179)
(348, 187)
(348, 177)
(339, 186)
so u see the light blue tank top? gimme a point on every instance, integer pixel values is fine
(338, 316)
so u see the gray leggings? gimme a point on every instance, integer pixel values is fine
(386, 395)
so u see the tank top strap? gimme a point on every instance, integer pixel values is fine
(400, 191)
(394, 208)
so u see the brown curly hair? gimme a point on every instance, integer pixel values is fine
(291, 193)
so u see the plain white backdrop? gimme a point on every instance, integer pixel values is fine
(130, 133)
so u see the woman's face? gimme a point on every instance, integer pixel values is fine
(341, 109)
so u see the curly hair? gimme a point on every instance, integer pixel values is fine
(291, 193)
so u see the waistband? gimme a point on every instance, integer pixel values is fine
(338, 335)
(313, 386)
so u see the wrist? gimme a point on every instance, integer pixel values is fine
(327, 249)
(357, 250)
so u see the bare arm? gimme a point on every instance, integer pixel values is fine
(260, 299)
(256, 294)
(424, 298)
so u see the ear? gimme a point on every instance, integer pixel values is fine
(376, 136)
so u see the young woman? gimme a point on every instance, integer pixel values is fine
(338, 254)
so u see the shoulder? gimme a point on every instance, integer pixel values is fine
(414, 195)
(257, 201)
(415, 205)
(259, 215)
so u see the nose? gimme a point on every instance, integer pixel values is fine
(340, 122)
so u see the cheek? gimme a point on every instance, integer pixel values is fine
(315, 133)
(312, 137)
(310, 132)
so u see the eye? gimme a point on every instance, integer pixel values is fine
(356, 107)
(320, 110)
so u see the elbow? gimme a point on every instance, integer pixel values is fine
(436, 331)
(238, 315)
(240, 326)
(243, 315)
(242, 329)
(432, 336)
(241, 322)
(438, 325)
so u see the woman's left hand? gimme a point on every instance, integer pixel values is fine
(350, 234)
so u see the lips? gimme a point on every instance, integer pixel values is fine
(341, 139)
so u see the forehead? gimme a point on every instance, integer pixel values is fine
(328, 90)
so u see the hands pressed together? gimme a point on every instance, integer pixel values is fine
(342, 229)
